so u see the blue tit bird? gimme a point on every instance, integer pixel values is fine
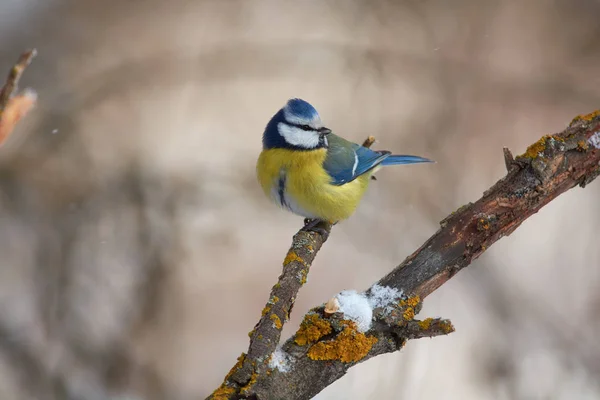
(310, 171)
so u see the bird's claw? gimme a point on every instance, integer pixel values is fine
(318, 226)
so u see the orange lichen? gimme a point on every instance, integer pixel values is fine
(276, 321)
(251, 333)
(250, 383)
(291, 257)
(238, 365)
(274, 299)
(409, 314)
(537, 149)
(222, 393)
(586, 117)
(446, 326)
(425, 324)
(483, 224)
(312, 328)
(582, 145)
(266, 310)
(411, 301)
(409, 304)
(350, 345)
(303, 276)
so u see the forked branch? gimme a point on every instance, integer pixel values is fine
(353, 327)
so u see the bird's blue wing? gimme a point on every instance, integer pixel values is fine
(346, 161)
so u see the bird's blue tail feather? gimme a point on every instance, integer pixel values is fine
(404, 159)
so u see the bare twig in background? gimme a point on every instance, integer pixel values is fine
(353, 327)
(13, 108)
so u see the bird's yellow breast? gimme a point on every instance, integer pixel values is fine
(297, 181)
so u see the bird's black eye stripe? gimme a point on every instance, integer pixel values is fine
(303, 127)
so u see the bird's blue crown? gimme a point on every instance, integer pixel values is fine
(301, 109)
(295, 126)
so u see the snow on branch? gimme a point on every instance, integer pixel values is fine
(352, 326)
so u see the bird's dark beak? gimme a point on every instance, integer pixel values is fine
(324, 131)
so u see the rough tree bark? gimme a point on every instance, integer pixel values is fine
(354, 327)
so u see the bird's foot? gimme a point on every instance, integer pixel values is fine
(319, 226)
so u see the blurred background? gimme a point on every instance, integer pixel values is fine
(137, 250)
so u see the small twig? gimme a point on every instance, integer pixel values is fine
(14, 107)
(509, 160)
(12, 81)
(429, 327)
(369, 141)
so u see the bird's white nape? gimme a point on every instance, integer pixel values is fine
(298, 137)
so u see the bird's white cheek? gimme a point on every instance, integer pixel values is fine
(298, 137)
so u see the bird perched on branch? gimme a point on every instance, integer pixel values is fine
(310, 171)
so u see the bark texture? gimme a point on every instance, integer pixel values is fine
(330, 339)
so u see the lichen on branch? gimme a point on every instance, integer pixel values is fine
(334, 336)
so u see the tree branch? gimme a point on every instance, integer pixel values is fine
(354, 327)
(266, 334)
(14, 107)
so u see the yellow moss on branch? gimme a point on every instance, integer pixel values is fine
(534, 150)
(222, 393)
(409, 314)
(446, 326)
(483, 224)
(238, 365)
(291, 257)
(312, 328)
(582, 145)
(350, 345)
(303, 276)
(276, 321)
(425, 324)
(586, 117)
(266, 310)
(412, 301)
(409, 305)
(250, 383)
(537, 149)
